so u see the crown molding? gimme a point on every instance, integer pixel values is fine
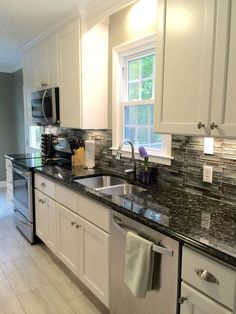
(71, 15)
(95, 15)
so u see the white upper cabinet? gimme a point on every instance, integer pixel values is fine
(83, 68)
(46, 63)
(195, 39)
(74, 58)
(69, 75)
(223, 119)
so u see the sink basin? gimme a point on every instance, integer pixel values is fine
(110, 185)
(100, 181)
(122, 189)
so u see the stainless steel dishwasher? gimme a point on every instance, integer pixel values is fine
(161, 300)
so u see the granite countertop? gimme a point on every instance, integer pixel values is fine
(204, 223)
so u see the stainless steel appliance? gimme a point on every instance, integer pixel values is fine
(23, 201)
(163, 298)
(45, 106)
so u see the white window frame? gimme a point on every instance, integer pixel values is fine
(118, 55)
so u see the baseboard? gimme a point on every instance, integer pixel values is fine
(3, 184)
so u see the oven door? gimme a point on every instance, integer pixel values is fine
(22, 192)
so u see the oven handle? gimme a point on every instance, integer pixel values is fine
(22, 173)
(156, 248)
(42, 105)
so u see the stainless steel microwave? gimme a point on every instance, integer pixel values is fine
(45, 106)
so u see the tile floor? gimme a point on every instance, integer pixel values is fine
(33, 280)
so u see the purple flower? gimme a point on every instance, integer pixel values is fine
(142, 152)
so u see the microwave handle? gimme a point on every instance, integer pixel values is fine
(42, 105)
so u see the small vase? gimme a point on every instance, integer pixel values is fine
(145, 176)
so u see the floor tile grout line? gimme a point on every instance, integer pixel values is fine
(13, 290)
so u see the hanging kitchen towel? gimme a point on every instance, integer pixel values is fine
(139, 262)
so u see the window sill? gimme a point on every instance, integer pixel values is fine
(155, 158)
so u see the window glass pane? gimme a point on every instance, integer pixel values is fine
(130, 115)
(146, 89)
(35, 136)
(134, 69)
(138, 126)
(147, 66)
(133, 93)
(142, 135)
(142, 114)
(130, 133)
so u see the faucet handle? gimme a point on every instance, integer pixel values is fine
(118, 155)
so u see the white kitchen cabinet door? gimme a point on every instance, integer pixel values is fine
(223, 118)
(94, 259)
(67, 237)
(51, 240)
(198, 303)
(69, 75)
(40, 66)
(185, 31)
(41, 216)
(29, 82)
(51, 61)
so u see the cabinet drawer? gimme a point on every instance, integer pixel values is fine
(8, 165)
(9, 176)
(94, 212)
(197, 302)
(67, 198)
(223, 291)
(44, 185)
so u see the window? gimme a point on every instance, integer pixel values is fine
(133, 100)
(35, 137)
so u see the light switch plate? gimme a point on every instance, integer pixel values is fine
(207, 174)
(208, 145)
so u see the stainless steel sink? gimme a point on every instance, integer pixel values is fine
(100, 181)
(110, 185)
(122, 189)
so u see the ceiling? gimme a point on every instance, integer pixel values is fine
(23, 20)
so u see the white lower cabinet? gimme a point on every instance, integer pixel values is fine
(45, 215)
(197, 303)
(67, 237)
(94, 260)
(82, 244)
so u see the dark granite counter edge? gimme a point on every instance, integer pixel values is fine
(210, 251)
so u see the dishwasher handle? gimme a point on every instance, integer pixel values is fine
(156, 248)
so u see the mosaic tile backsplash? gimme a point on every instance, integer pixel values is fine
(187, 166)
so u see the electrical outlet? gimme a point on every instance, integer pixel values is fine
(207, 174)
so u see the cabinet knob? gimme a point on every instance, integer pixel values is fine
(73, 223)
(200, 125)
(213, 126)
(43, 185)
(182, 300)
(78, 226)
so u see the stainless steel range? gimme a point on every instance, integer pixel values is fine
(23, 201)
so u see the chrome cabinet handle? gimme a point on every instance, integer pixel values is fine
(182, 300)
(43, 185)
(213, 126)
(73, 223)
(205, 275)
(200, 125)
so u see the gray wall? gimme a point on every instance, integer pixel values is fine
(11, 116)
(18, 103)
